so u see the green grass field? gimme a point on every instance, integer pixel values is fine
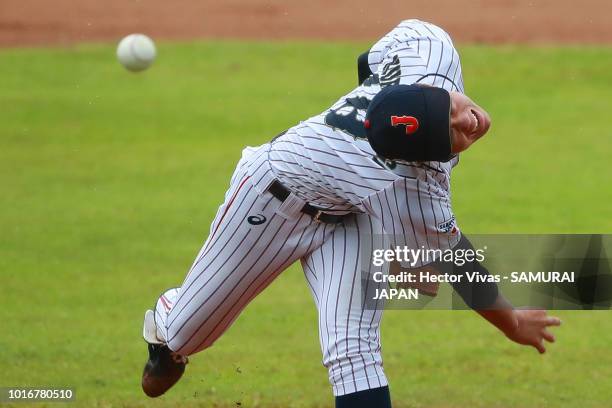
(110, 180)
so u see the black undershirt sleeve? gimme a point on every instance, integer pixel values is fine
(363, 67)
(476, 294)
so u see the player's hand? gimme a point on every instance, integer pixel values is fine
(532, 328)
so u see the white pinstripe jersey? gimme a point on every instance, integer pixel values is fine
(327, 160)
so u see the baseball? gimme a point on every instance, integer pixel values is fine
(136, 52)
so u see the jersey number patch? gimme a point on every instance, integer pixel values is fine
(350, 116)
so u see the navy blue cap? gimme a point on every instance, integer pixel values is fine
(411, 123)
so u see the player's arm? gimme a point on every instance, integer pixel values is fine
(393, 58)
(414, 52)
(526, 327)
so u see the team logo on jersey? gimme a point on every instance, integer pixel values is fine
(256, 219)
(411, 123)
(448, 226)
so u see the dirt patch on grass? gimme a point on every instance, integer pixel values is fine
(60, 22)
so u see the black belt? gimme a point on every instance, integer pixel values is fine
(281, 192)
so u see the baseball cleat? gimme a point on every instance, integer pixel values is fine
(164, 367)
(162, 371)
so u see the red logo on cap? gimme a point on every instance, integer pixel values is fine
(411, 123)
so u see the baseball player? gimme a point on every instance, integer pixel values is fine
(372, 171)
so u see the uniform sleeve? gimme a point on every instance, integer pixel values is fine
(401, 65)
(417, 52)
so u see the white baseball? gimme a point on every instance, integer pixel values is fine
(136, 52)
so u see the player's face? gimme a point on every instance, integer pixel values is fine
(469, 122)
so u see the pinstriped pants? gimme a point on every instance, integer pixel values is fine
(349, 332)
(253, 238)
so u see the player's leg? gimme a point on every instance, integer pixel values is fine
(249, 246)
(349, 330)
(253, 239)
